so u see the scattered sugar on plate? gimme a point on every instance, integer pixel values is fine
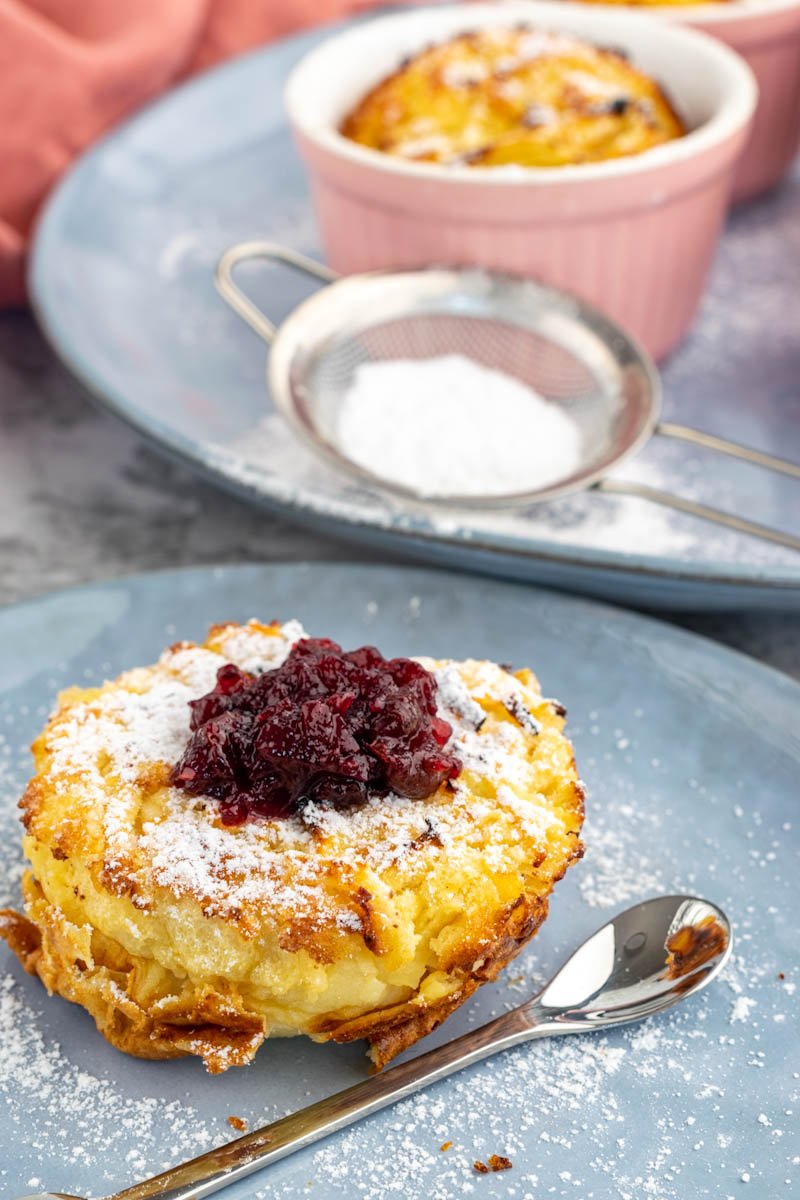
(574, 1105)
(268, 458)
(450, 426)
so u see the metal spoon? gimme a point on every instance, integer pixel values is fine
(642, 962)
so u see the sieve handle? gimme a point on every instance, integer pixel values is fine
(271, 252)
(734, 449)
(645, 492)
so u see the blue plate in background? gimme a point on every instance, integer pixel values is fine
(121, 279)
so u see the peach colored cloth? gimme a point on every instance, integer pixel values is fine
(69, 69)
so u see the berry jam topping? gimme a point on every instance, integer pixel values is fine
(326, 725)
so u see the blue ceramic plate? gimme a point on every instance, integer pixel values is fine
(122, 282)
(690, 754)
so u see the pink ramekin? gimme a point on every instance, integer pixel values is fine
(767, 35)
(635, 236)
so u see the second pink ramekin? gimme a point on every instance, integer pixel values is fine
(635, 236)
(767, 35)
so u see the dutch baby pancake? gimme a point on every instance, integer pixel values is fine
(264, 835)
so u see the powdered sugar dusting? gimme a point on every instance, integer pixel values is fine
(254, 651)
(252, 863)
(147, 720)
(619, 866)
(454, 695)
(670, 1109)
(192, 856)
(127, 729)
(528, 1082)
(450, 426)
(277, 866)
(64, 1112)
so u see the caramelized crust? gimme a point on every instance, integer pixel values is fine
(183, 936)
(514, 96)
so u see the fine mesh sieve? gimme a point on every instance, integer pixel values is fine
(558, 346)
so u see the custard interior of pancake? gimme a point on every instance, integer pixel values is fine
(518, 96)
(187, 925)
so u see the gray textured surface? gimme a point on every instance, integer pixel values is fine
(83, 498)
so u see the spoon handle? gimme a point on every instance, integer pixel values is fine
(227, 1164)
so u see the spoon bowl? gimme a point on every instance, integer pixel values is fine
(640, 963)
(644, 961)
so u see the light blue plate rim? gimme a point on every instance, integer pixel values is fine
(770, 676)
